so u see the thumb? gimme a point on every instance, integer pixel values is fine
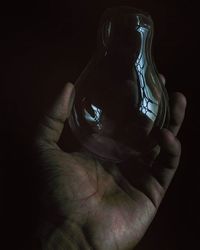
(51, 125)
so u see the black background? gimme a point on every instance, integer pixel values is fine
(44, 45)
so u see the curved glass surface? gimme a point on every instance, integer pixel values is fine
(119, 96)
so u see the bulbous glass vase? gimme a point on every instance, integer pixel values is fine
(119, 96)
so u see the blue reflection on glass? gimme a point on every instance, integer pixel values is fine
(148, 105)
(94, 115)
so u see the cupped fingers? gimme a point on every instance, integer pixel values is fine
(177, 112)
(167, 162)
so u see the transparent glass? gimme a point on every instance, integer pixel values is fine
(119, 96)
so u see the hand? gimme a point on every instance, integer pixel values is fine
(92, 205)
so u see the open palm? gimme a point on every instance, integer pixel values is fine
(91, 204)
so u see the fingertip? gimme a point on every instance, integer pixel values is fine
(178, 104)
(167, 135)
(162, 78)
(179, 98)
(69, 86)
(169, 142)
(70, 93)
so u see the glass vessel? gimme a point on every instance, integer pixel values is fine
(120, 97)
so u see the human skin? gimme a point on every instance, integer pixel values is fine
(91, 204)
